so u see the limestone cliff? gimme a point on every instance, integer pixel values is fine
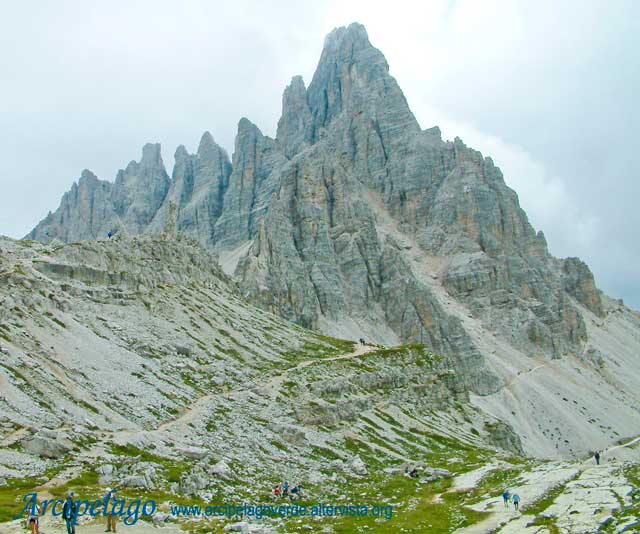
(357, 222)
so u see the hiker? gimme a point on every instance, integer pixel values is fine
(597, 457)
(516, 501)
(109, 234)
(296, 491)
(70, 513)
(285, 489)
(111, 516)
(276, 491)
(505, 498)
(34, 518)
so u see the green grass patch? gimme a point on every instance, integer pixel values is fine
(548, 522)
(173, 469)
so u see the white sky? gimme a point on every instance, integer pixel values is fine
(548, 89)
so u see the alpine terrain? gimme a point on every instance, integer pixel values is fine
(357, 305)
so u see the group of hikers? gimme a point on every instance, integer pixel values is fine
(70, 514)
(283, 490)
(70, 508)
(513, 497)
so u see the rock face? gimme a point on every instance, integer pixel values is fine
(94, 207)
(251, 185)
(47, 445)
(357, 222)
(198, 185)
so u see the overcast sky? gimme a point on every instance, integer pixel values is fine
(548, 89)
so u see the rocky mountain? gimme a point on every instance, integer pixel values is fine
(135, 362)
(356, 222)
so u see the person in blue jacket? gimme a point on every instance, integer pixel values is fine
(70, 513)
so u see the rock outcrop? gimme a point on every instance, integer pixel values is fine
(251, 185)
(93, 207)
(197, 190)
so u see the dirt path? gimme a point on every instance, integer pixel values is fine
(200, 406)
(273, 385)
(629, 443)
(605, 454)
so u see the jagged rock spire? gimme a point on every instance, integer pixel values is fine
(199, 183)
(295, 126)
(352, 75)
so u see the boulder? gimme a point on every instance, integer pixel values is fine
(184, 350)
(316, 477)
(135, 481)
(431, 474)
(48, 433)
(357, 466)
(242, 527)
(197, 453)
(394, 470)
(222, 470)
(631, 525)
(160, 518)
(47, 447)
(106, 474)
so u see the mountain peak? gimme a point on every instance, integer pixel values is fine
(181, 153)
(88, 176)
(151, 155)
(245, 125)
(348, 46)
(296, 85)
(353, 76)
(207, 146)
(354, 33)
(296, 123)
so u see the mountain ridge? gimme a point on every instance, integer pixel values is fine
(356, 222)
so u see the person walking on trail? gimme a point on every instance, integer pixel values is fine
(597, 457)
(516, 501)
(285, 489)
(276, 490)
(505, 498)
(34, 518)
(70, 514)
(111, 516)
